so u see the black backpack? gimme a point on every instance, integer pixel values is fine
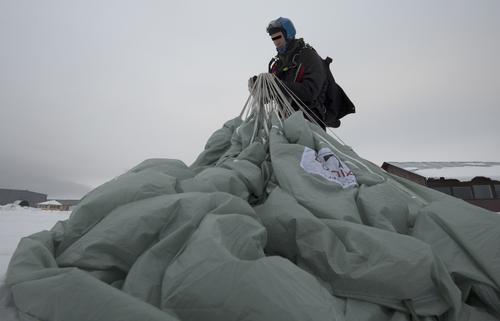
(337, 104)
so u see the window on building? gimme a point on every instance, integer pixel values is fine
(497, 189)
(482, 192)
(443, 189)
(463, 192)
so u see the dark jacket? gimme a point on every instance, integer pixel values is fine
(303, 72)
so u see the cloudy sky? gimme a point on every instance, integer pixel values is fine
(90, 88)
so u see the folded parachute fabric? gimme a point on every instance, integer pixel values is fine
(275, 220)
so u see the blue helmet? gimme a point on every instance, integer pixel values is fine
(284, 25)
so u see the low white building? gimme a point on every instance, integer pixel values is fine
(52, 205)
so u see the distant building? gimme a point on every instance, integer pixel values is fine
(51, 205)
(475, 182)
(69, 205)
(58, 205)
(24, 197)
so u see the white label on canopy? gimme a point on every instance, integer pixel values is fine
(326, 164)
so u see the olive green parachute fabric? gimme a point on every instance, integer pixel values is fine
(262, 230)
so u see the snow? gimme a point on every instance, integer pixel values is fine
(411, 169)
(52, 202)
(17, 222)
(462, 173)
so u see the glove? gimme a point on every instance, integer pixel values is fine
(251, 83)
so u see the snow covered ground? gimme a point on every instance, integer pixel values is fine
(15, 223)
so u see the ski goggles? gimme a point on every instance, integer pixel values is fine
(275, 24)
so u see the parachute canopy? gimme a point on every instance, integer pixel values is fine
(275, 220)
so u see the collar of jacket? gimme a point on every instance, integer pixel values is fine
(294, 46)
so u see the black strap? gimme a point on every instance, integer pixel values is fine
(273, 60)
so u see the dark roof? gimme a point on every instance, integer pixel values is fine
(20, 190)
(69, 202)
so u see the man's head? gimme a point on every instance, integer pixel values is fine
(281, 31)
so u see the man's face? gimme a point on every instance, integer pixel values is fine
(278, 39)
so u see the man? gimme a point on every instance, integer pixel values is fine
(300, 67)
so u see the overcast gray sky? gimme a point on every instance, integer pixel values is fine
(90, 88)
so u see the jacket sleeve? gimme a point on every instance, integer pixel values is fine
(314, 77)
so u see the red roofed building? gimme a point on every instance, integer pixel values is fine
(475, 182)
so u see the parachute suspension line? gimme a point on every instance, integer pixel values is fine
(270, 96)
(308, 112)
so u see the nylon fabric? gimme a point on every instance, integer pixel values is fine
(246, 233)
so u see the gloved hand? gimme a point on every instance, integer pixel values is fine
(251, 83)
